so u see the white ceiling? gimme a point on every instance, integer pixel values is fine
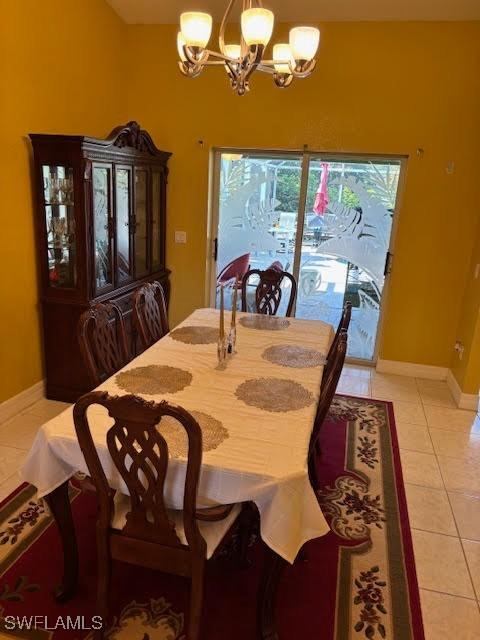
(168, 11)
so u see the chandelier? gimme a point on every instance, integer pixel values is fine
(295, 59)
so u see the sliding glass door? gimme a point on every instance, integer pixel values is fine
(325, 219)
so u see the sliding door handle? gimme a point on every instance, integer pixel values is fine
(388, 264)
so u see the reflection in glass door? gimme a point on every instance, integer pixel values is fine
(326, 220)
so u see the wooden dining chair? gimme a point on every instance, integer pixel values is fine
(268, 293)
(343, 325)
(103, 341)
(139, 528)
(330, 378)
(150, 313)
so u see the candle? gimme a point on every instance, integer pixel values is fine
(234, 302)
(222, 324)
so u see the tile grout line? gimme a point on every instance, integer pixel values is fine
(459, 538)
(445, 490)
(437, 533)
(451, 508)
(446, 593)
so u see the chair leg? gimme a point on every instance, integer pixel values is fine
(196, 599)
(246, 528)
(103, 584)
(312, 471)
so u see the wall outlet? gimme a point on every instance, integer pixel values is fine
(181, 237)
(477, 271)
(459, 348)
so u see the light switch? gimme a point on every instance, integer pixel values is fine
(181, 237)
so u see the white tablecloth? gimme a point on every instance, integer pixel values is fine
(264, 458)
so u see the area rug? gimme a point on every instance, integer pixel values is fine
(357, 582)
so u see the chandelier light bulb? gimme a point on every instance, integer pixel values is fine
(282, 58)
(196, 28)
(233, 51)
(257, 26)
(180, 44)
(304, 42)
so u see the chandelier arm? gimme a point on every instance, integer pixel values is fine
(265, 68)
(216, 63)
(223, 25)
(306, 71)
(219, 56)
(232, 71)
(255, 60)
(190, 56)
(188, 70)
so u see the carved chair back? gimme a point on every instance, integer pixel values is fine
(342, 326)
(150, 313)
(148, 538)
(140, 454)
(268, 294)
(103, 341)
(330, 378)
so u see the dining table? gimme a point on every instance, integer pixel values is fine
(256, 410)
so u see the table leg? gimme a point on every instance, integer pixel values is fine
(274, 566)
(59, 504)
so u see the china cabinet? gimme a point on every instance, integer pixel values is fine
(100, 229)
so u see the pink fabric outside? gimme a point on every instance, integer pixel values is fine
(321, 199)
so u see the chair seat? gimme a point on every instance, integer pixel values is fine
(212, 532)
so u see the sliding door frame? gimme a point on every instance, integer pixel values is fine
(306, 155)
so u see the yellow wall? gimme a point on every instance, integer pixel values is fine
(388, 88)
(467, 368)
(61, 71)
(379, 88)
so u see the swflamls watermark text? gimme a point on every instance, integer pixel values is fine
(74, 623)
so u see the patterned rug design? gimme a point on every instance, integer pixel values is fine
(358, 582)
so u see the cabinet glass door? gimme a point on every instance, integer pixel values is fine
(156, 220)
(123, 190)
(60, 225)
(141, 235)
(103, 226)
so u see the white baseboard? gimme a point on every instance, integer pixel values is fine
(463, 400)
(412, 369)
(21, 401)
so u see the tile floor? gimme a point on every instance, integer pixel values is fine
(440, 450)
